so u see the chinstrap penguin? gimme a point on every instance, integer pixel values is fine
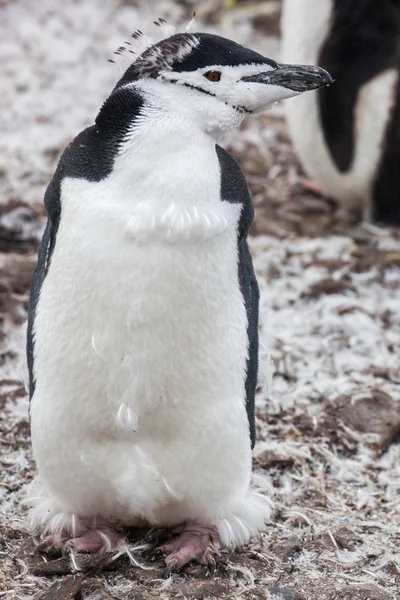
(348, 136)
(142, 332)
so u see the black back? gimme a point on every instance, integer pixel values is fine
(386, 190)
(364, 40)
(90, 156)
(234, 189)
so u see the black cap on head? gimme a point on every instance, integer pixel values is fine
(189, 52)
(216, 50)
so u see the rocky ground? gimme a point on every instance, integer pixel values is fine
(328, 422)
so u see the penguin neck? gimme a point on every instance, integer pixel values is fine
(162, 134)
(305, 27)
(162, 146)
(191, 112)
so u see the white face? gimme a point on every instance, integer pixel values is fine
(230, 89)
(249, 88)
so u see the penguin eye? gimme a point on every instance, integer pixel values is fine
(213, 75)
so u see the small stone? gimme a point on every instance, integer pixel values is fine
(288, 548)
(60, 566)
(20, 227)
(347, 539)
(363, 592)
(368, 258)
(68, 588)
(344, 538)
(329, 286)
(282, 593)
(267, 459)
(376, 413)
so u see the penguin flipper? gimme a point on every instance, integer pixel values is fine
(234, 189)
(52, 202)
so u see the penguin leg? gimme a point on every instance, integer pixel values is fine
(195, 541)
(311, 185)
(87, 535)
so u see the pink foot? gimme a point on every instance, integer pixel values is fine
(195, 541)
(312, 186)
(90, 535)
(105, 539)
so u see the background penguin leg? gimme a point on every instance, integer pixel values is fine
(195, 541)
(313, 186)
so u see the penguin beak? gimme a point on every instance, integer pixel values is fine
(297, 78)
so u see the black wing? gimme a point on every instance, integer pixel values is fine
(52, 201)
(234, 189)
(90, 156)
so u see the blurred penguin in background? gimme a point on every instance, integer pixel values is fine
(347, 136)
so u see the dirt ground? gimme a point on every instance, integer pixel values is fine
(328, 421)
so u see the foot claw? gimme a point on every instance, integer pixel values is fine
(46, 543)
(170, 568)
(211, 562)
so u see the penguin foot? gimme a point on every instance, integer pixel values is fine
(195, 541)
(312, 186)
(88, 535)
(102, 539)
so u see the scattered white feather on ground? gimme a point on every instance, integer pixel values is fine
(337, 488)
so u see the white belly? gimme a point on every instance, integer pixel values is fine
(140, 358)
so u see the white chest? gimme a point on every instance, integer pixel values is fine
(144, 276)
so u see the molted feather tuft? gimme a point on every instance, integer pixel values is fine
(150, 58)
(191, 26)
(166, 29)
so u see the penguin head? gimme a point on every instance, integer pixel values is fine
(216, 79)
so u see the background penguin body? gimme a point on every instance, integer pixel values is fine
(348, 136)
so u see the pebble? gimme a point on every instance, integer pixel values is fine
(282, 593)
